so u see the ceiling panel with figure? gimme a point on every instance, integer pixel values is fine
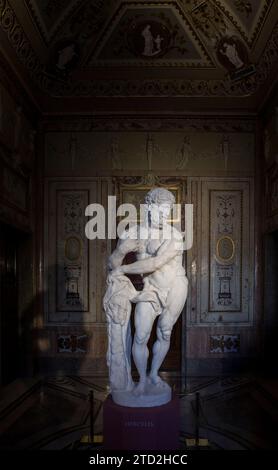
(150, 37)
(214, 49)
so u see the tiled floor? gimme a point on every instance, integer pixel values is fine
(54, 413)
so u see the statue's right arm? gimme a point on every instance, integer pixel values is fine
(116, 258)
(123, 247)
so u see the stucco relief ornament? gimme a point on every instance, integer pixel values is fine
(115, 154)
(158, 247)
(185, 154)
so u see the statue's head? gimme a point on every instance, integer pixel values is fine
(159, 202)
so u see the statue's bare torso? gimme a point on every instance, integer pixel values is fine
(150, 245)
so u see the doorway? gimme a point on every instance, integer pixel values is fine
(9, 315)
(271, 301)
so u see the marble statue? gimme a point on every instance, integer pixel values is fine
(159, 248)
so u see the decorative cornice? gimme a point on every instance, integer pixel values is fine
(118, 123)
(154, 88)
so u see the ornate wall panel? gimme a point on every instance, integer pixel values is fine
(72, 251)
(17, 155)
(272, 190)
(15, 189)
(72, 343)
(221, 261)
(224, 344)
(73, 284)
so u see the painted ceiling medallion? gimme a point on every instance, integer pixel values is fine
(233, 55)
(148, 39)
(64, 58)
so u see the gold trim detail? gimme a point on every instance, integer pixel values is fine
(148, 182)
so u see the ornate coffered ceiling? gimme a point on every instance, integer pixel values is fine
(185, 48)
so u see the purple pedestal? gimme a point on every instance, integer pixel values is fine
(155, 428)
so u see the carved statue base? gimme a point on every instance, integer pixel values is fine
(153, 396)
(155, 428)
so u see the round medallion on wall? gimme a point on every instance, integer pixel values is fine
(148, 39)
(225, 249)
(73, 248)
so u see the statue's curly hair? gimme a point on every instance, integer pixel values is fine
(159, 196)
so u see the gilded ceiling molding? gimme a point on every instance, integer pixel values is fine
(47, 36)
(18, 40)
(249, 40)
(184, 124)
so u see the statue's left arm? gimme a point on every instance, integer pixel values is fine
(166, 253)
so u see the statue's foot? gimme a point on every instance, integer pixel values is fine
(139, 389)
(130, 386)
(157, 381)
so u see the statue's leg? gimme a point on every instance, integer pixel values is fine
(144, 318)
(167, 319)
(161, 345)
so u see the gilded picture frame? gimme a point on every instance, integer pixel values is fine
(135, 193)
